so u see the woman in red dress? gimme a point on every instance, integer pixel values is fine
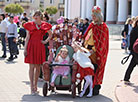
(34, 51)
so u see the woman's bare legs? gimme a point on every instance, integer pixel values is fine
(37, 72)
(31, 76)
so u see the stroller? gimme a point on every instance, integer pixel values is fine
(61, 83)
(21, 38)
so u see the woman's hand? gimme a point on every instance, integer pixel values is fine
(44, 42)
(14, 40)
(25, 52)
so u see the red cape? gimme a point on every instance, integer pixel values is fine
(101, 42)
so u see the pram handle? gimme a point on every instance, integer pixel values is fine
(60, 65)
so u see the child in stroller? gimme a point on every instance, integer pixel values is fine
(61, 58)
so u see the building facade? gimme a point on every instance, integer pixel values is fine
(30, 6)
(114, 11)
(59, 4)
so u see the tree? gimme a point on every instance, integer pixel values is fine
(14, 8)
(41, 8)
(51, 10)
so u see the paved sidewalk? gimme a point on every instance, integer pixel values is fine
(127, 93)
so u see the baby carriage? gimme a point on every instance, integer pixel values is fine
(60, 82)
(22, 36)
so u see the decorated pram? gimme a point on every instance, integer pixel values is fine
(61, 83)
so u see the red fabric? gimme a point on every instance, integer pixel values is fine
(35, 49)
(101, 41)
(84, 71)
(135, 46)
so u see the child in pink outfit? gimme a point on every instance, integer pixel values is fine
(61, 58)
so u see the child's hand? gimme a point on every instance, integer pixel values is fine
(91, 51)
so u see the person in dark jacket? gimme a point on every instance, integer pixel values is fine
(85, 25)
(134, 60)
(127, 31)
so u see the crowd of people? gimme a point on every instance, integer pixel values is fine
(89, 39)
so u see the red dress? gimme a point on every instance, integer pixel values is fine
(84, 71)
(35, 49)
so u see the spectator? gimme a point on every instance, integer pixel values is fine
(81, 25)
(85, 25)
(25, 17)
(12, 36)
(3, 29)
(127, 31)
(134, 60)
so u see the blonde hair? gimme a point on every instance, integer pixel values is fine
(128, 21)
(64, 48)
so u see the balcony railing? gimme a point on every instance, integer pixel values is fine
(61, 6)
(23, 3)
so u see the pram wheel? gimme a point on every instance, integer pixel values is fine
(73, 90)
(45, 89)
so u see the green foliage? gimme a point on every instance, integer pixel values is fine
(14, 8)
(41, 8)
(51, 10)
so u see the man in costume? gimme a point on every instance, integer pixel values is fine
(97, 41)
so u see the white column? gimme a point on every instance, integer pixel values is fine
(89, 6)
(134, 8)
(101, 4)
(122, 11)
(69, 9)
(83, 9)
(66, 9)
(111, 13)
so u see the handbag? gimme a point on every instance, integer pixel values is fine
(125, 59)
(124, 43)
(135, 46)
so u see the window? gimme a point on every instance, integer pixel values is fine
(31, 1)
(62, 1)
(51, 1)
(61, 13)
(129, 7)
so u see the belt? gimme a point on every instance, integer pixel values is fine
(11, 33)
(2, 33)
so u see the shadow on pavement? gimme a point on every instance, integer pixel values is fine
(136, 89)
(65, 97)
(40, 84)
(10, 62)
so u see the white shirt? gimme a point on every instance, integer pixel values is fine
(12, 28)
(129, 29)
(83, 59)
(3, 26)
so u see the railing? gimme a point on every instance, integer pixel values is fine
(23, 3)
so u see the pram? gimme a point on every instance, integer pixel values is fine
(61, 83)
(21, 38)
